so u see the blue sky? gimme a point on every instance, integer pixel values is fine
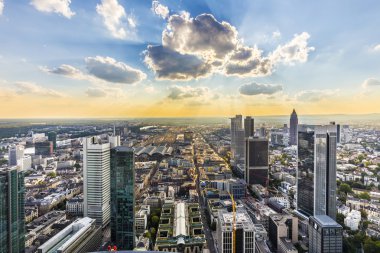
(321, 57)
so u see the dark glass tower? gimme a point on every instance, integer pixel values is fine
(12, 212)
(316, 174)
(293, 128)
(122, 197)
(52, 136)
(256, 161)
(249, 126)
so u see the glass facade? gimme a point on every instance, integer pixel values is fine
(257, 161)
(12, 212)
(305, 173)
(316, 174)
(122, 198)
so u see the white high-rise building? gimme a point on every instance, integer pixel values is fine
(97, 176)
(15, 153)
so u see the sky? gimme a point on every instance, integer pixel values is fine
(185, 58)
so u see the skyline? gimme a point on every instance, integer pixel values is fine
(157, 59)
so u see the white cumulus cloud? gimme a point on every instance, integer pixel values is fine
(1, 6)
(198, 47)
(160, 10)
(57, 6)
(118, 23)
(297, 50)
(376, 48)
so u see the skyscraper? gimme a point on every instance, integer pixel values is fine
(239, 145)
(293, 128)
(122, 197)
(15, 153)
(249, 126)
(44, 148)
(96, 178)
(325, 235)
(256, 161)
(316, 173)
(236, 124)
(12, 212)
(52, 136)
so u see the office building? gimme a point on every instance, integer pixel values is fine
(256, 161)
(96, 178)
(293, 128)
(282, 226)
(325, 235)
(122, 198)
(236, 124)
(337, 131)
(15, 153)
(285, 245)
(44, 148)
(249, 126)
(12, 210)
(245, 235)
(81, 236)
(316, 173)
(180, 228)
(239, 145)
(262, 132)
(261, 237)
(52, 136)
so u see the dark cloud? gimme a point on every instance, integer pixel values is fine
(110, 70)
(168, 64)
(252, 89)
(254, 67)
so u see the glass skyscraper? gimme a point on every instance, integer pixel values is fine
(293, 128)
(256, 161)
(12, 212)
(316, 174)
(122, 198)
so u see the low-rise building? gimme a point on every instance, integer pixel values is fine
(353, 219)
(180, 228)
(79, 237)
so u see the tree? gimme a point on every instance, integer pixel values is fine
(364, 195)
(345, 188)
(3, 161)
(363, 213)
(154, 220)
(340, 219)
(371, 246)
(52, 174)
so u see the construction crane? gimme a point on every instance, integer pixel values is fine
(233, 223)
